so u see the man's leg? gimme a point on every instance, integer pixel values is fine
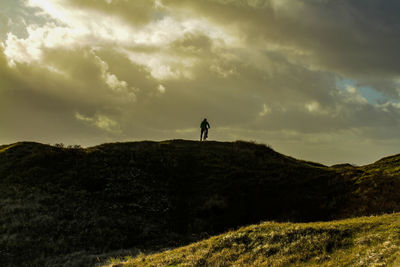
(201, 135)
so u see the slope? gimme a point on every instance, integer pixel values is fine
(364, 241)
(56, 201)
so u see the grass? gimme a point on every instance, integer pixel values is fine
(374, 188)
(76, 207)
(364, 241)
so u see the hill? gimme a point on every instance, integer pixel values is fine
(60, 204)
(364, 241)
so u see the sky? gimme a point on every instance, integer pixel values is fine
(317, 80)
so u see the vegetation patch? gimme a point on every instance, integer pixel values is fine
(364, 241)
(74, 206)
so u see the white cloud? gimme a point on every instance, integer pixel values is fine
(112, 81)
(265, 111)
(105, 123)
(313, 106)
(351, 94)
(79, 28)
(20, 50)
(389, 106)
(221, 71)
(163, 66)
(161, 88)
(83, 26)
(83, 118)
(100, 121)
(30, 49)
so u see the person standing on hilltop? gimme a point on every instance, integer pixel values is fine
(204, 129)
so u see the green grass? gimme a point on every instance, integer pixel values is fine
(77, 207)
(364, 241)
(5, 147)
(374, 188)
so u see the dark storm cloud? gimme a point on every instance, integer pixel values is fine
(353, 38)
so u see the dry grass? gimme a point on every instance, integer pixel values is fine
(364, 241)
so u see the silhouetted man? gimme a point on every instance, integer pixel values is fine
(204, 129)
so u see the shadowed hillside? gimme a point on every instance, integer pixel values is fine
(57, 201)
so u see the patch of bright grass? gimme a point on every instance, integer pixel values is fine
(364, 241)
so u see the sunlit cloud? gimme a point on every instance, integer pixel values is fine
(103, 122)
(265, 110)
(311, 78)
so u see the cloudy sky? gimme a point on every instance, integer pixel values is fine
(315, 79)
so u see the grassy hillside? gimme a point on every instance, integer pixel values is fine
(58, 204)
(364, 241)
(375, 188)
